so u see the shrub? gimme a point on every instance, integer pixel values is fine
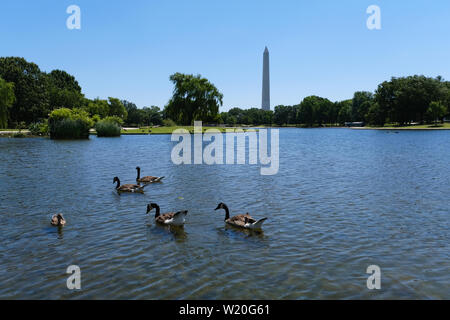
(60, 114)
(96, 118)
(169, 123)
(106, 128)
(21, 125)
(69, 129)
(69, 124)
(19, 135)
(39, 128)
(115, 119)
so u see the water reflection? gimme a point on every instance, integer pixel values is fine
(248, 233)
(60, 232)
(175, 232)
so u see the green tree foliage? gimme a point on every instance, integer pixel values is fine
(375, 115)
(169, 122)
(285, 115)
(445, 96)
(436, 111)
(194, 98)
(305, 113)
(39, 128)
(134, 114)
(151, 116)
(314, 110)
(227, 118)
(64, 90)
(239, 114)
(116, 108)
(35, 94)
(345, 111)
(362, 100)
(7, 99)
(96, 107)
(404, 100)
(67, 123)
(114, 119)
(30, 88)
(107, 128)
(146, 116)
(252, 116)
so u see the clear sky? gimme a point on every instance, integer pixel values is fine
(128, 49)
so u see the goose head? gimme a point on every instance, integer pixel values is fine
(61, 219)
(221, 206)
(58, 220)
(151, 206)
(116, 179)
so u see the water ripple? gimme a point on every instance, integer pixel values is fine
(342, 200)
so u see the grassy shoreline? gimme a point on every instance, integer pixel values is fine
(445, 126)
(5, 133)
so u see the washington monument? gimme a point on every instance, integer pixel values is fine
(265, 105)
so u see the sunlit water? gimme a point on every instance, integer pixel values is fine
(342, 200)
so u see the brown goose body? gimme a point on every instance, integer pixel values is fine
(170, 218)
(146, 179)
(58, 220)
(241, 220)
(128, 187)
(163, 218)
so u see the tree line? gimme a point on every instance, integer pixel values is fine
(402, 101)
(29, 96)
(414, 99)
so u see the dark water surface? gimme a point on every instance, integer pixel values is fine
(342, 200)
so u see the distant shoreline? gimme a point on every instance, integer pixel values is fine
(169, 130)
(445, 126)
(10, 133)
(418, 128)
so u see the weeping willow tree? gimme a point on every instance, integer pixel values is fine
(7, 99)
(194, 98)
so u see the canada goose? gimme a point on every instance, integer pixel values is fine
(241, 220)
(147, 179)
(128, 187)
(58, 220)
(171, 218)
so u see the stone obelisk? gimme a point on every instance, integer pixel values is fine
(266, 82)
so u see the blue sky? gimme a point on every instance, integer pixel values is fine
(128, 49)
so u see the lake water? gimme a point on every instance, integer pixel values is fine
(342, 200)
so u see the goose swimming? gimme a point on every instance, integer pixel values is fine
(241, 220)
(146, 179)
(170, 218)
(128, 187)
(58, 220)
